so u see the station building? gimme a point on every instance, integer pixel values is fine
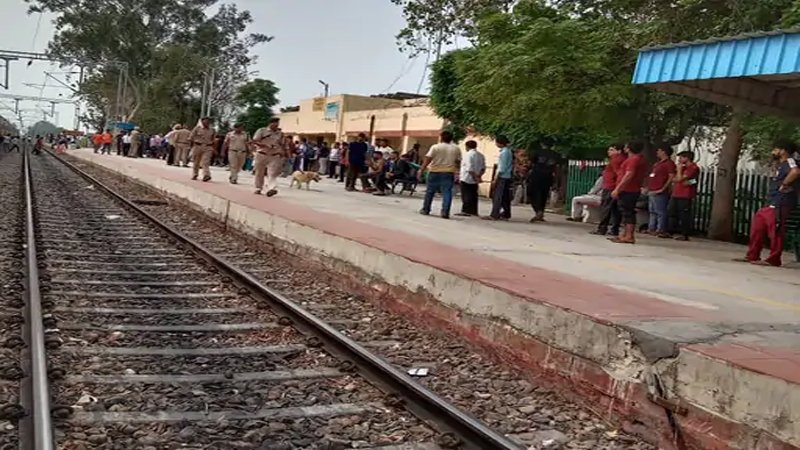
(402, 119)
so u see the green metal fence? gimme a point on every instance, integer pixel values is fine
(751, 194)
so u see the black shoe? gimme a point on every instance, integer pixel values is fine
(194, 177)
(445, 216)
(572, 219)
(272, 192)
(424, 213)
(206, 178)
(598, 233)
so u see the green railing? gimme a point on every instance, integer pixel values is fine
(751, 194)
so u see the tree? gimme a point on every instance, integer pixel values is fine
(433, 23)
(257, 99)
(159, 50)
(559, 71)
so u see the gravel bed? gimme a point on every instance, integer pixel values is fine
(167, 319)
(11, 290)
(232, 396)
(384, 427)
(499, 395)
(278, 336)
(152, 365)
(150, 303)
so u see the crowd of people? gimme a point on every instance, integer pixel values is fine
(665, 191)
(59, 142)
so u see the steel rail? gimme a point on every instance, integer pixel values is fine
(40, 391)
(473, 434)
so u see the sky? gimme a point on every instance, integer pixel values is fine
(350, 44)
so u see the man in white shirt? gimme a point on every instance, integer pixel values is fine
(473, 166)
(383, 147)
(442, 164)
(581, 202)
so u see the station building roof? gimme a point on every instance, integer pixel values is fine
(757, 71)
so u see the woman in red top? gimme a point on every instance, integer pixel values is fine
(629, 187)
(684, 190)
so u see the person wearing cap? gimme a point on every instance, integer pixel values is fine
(270, 148)
(236, 144)
(202, 142)
(684, 190)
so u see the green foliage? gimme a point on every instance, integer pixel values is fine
(761, 133)
(557, 74)
(433, 22)
(7, 127)
(257, 99)
(164, 47)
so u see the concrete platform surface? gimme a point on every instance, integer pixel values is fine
(669, 295)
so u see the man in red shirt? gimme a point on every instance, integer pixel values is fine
(628, 190)
(658, 185)
(609, 210)
(684, 190)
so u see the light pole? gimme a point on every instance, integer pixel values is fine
(326, 86)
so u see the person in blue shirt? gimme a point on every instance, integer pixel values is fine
(501, 185)
(769, 222)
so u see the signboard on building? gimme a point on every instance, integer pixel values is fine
(332, 111)
(318, 104)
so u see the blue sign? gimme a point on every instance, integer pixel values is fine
(332, 111)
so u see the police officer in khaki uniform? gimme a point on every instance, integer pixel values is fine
(270, 152)
(236, 143)
(136, 142)
(202, 141)
(181, 141)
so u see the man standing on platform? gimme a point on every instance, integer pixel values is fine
(136, 142)
(442, 163)
(202, 141)
(658, 186)
(609, 210)
(684, 191)
(236, 144)
(770, 221)
(182, 142)
(356, 155)
(501, 185)
(105, 142)
(472, 169)
(270, 153)
(628, 191)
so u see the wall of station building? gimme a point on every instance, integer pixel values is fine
(402, 122)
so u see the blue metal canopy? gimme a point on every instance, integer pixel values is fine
(757, 72)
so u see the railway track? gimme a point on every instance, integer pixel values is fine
(153, 341)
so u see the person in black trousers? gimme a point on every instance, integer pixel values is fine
(540, 180)
(684, 190)
(473, 166)
(609, 208)
(501, 185)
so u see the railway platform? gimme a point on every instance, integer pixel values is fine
(667, 334)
